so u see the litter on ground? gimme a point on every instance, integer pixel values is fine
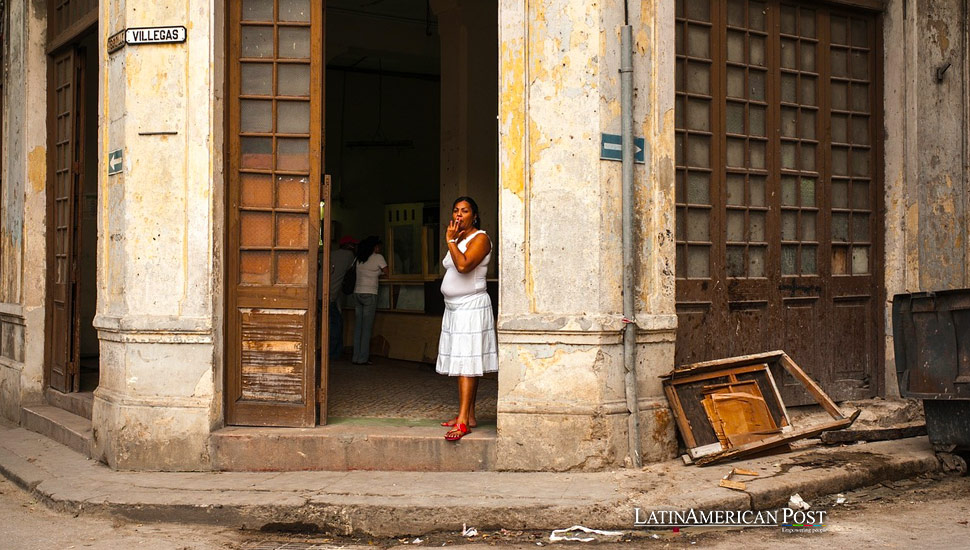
(797, 503)
(573, 534)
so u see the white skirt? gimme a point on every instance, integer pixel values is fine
(468, 345)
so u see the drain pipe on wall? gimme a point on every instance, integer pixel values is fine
(629, 304)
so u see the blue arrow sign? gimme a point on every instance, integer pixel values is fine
(114, 162)
(612, 148)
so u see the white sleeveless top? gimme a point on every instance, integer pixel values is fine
(457, 284)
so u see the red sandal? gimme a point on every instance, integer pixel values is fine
(451, 423)
(459, 431)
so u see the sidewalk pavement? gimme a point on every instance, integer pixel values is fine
(414, 503)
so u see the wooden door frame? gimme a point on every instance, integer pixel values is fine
(876, 126)
(323, 344)
(81, 77)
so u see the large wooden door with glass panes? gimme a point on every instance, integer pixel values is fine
(778, 188)
(275, 139)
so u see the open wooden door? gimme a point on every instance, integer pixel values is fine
(275, 134)
(65, 171)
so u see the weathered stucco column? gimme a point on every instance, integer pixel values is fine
(158, 276)
(561, 390)
(24, 165)
(926, 152)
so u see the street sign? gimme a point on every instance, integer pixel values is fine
(116, 41)
(612, 148)
(114, 162)
(155, 35)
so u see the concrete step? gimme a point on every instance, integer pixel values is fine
(350, 446)
(66, 428)
(79, 403)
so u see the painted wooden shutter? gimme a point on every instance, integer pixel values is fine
(275, 90)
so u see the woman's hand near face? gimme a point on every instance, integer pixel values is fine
(454, 228)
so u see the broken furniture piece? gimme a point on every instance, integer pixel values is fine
(731, 408)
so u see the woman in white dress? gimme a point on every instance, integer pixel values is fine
(467, 348)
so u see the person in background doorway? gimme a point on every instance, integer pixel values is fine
(468, 344)
(370, 267)
(340, 261)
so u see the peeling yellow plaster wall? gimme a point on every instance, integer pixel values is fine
(538, 142)
(513, 117)
(640, 44)
(37, 168)
(615, 109)
(912, 246)
(941, 35)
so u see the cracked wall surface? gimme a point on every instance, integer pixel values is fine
(926, 116)
(23, 208)
(159, 280)
(561, 376)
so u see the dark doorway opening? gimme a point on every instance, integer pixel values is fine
(88, 207)
(405, 101)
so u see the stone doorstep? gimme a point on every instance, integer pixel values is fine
(79, 403)
(351, 447)
(62, 426)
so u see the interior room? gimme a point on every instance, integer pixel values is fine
(411, 102)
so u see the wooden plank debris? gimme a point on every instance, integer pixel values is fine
(731, 484)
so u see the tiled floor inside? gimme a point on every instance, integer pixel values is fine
(400, 389)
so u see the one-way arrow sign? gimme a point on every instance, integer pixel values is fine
(612, 148)
(114, 162)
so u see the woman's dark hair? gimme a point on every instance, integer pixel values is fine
(366, 248)
(471, 202)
